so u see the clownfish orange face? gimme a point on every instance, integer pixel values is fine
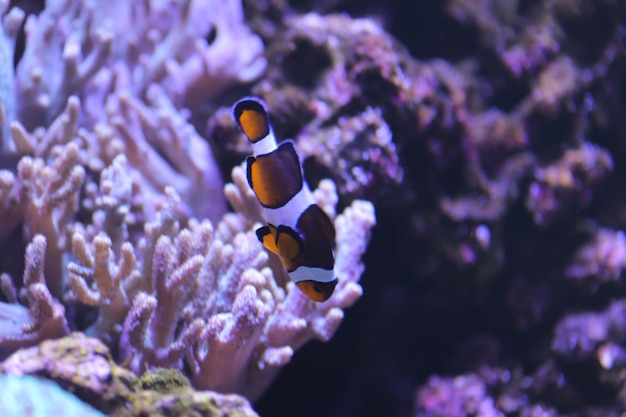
(252, 120)
(297, 229)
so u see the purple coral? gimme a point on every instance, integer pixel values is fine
(491, 146)
(44, 316)
(122, 202)
(456, 397)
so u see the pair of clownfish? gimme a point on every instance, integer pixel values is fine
(297, 229)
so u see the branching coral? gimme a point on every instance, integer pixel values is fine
(44, 318)
(240, 324)
(49, 199)
(11, 22)
(150, 131)
(65, 77)
(189, 292)
(141, 62)
(44, 198)
(98, 280)
(58, 60)
(123, 205)
(113, 203)
(124, 46)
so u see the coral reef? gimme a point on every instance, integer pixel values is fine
(489, 137)
(114, 212)
(459, 396)
(85, 367)
(327, 110)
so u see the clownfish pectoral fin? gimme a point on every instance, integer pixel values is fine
(283, 241)
(251, 116)
(289, 245)
(317, 291)
(267, 236)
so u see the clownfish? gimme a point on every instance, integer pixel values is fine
(297, 229)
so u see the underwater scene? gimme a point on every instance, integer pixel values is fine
(338, 208)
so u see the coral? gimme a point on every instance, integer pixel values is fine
(495, 158)
(600, 260)
(205, 403)
(44, 196)
(594, 343)
(49, 200)
(568, 182)
(581, 335)
(235, 338)
(338, 132)
(84, 78)
(459, 396)
(11, 22)
(522, 49)
(544, 179)
(188, 292)
(128, 47)
(368, 153)
(84, 366)
(111, 279)
(44, 318)
(120, 202)
(76, 360)
(495, 391)
(115, 204)
(73, 65)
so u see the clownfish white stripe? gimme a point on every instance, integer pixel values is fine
(304, 273)
(290, 212)
(296, 229)
(265, 146)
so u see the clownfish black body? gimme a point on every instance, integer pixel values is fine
(297, 229)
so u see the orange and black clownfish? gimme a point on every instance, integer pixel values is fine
(297, 229)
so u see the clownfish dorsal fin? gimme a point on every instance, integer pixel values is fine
(251, 116)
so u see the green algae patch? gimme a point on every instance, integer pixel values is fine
(163, 380)
(186, 402)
